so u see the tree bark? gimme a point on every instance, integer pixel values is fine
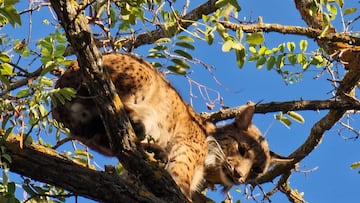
(118, 128)
(46, 165)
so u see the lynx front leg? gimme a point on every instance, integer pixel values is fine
(186, 167)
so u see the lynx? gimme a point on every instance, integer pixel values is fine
(238, 153)
(155, 109)
(193, 148)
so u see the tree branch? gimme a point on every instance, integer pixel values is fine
(117, 125)
(347, 84)
(296, 30)
(46, 165)
(301, 105)
(292, 194)
(185, 21)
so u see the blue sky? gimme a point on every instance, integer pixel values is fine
(332, 180)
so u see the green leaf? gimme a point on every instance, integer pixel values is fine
(317, 60)
(340, 3)
(296, 116)
(301, 58)
(285, 121)
(348, 11)
(156, 55)
(332, 9)
(185, 45)
(47, 43)
(156, 64)
(158, 48)
(23, 93)
(209, 37)
(183, 54)
(221, 3)
(68, 93)
(163, 40)
(46, 81)
(270, 62)
(252, 49)
(81, 152)
(260, 62)
(255, 38)
(282, 47)
(238, 46)
(226, 47)
(5, 80)
(59, 50)
(10, 13)
(239, 34)
(280, 61)
(4, 57)
(185, 38)
(262, 50)
(43, 112)
(181, 63)
(355, 165)
(303, 45)
(254, 57)
(292, 58)
(178, 70)
(235, 4)
(6, 69)
(240, 57)
(291, 46)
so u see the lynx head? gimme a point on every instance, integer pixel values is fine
(238, 153)
(80, 114)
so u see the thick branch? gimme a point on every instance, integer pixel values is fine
(43, 164)
(184, 22)
(292, 194)
(21, 82)
(296, 30)
(118, 128)
(347, 84)
(286, 106)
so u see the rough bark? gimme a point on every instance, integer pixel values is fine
(183, 21)
(300, 105)
(43, 164)
(341, 52)
(118, 128)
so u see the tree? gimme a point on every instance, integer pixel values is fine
(173, 32)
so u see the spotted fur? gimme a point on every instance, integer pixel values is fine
(155, 109)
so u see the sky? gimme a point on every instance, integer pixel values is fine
(325, 175)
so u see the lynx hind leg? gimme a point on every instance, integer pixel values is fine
(186, 167)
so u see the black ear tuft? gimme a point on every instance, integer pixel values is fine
(244, 119)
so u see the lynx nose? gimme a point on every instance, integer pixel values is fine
(238, 177)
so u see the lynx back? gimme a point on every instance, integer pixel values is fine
(155, 109)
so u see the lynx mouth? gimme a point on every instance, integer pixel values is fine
(229, 174)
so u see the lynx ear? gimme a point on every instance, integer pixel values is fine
(278, 159)
(243, 120)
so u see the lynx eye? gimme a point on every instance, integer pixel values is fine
(241, 150)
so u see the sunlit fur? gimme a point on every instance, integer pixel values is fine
(156, 110)
(244, 153)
